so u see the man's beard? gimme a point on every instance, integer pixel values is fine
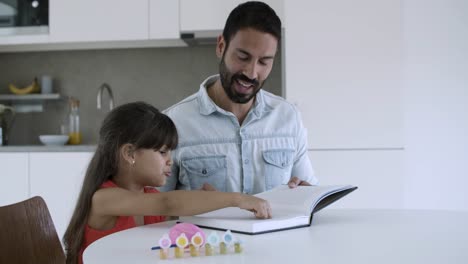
(228, 79)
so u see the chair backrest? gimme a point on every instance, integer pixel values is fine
(28, 234)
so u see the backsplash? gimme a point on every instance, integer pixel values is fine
(160, 76)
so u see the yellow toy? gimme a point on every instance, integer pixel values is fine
(197, 242)
(181, 243)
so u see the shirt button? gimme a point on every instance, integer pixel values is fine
(204, 171)
(246, 161)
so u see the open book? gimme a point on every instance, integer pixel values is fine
(291, 208)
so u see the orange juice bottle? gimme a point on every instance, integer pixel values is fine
(74, 122)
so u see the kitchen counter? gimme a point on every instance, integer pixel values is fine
(42, 148)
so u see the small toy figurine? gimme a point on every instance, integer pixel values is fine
(238, 246)
(197, 242)
(208, 249)
(164, 244)
(181, 243)
(227, 240)
(222, 248)
(212, 241)
(227, 237)
(187, 228)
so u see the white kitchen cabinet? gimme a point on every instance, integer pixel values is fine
(379, 175)
(84, 24)
(344, 70)
(57, 177)
(9, 40)
(211, 15)
(163, 19)
(103, 20)
(14, 172)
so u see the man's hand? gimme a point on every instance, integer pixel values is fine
(208, 187)
(295, 181)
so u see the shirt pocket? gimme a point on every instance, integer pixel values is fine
(202, 170)
(278, 165)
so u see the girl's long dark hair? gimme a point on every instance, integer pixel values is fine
(136, 123)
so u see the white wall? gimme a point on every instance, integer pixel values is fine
(383, 87)
(344, 71)
(436, 93)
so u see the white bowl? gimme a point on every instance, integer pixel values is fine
(53, 140)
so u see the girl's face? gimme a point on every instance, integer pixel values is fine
(152, 167)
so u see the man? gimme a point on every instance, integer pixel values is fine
(233, 136)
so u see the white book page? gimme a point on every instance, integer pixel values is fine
(284, 198)
(284, 202)
(236, 219)
(234, 213)
(301, 199)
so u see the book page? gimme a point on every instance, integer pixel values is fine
(290, 208)
(234, 213)
(284, 201)
(238, 220)
(301, 199)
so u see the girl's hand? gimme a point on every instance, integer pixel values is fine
(261, 208)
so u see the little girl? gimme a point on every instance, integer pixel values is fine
(134, 152)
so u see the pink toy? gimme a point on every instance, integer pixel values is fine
(187, 228)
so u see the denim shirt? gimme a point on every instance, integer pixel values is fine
(265, 151)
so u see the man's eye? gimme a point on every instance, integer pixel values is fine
(265, 62)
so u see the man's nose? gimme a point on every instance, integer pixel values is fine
(251, 70)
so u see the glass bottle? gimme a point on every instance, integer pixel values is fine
(74, 122)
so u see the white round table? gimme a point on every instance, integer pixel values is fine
(335, 236)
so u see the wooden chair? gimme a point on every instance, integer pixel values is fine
(28, 234)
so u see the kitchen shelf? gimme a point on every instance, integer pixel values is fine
(29, 102)
(29, 97)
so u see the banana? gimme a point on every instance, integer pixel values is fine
(32, 88)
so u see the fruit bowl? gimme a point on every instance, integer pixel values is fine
(53, 140)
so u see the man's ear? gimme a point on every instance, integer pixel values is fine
(220, 46)
(127, 152)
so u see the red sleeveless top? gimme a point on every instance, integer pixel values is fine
(122, 223)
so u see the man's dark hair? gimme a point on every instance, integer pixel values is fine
(255, 15)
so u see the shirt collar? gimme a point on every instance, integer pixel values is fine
(207, 106)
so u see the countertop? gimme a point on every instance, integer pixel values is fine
(42, 148)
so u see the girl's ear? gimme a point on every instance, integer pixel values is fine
(127, 152)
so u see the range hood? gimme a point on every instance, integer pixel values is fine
(206, 37)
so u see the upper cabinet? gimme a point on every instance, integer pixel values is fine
(77, 24)
(210, 15)
(103, 20)
(163, 19)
